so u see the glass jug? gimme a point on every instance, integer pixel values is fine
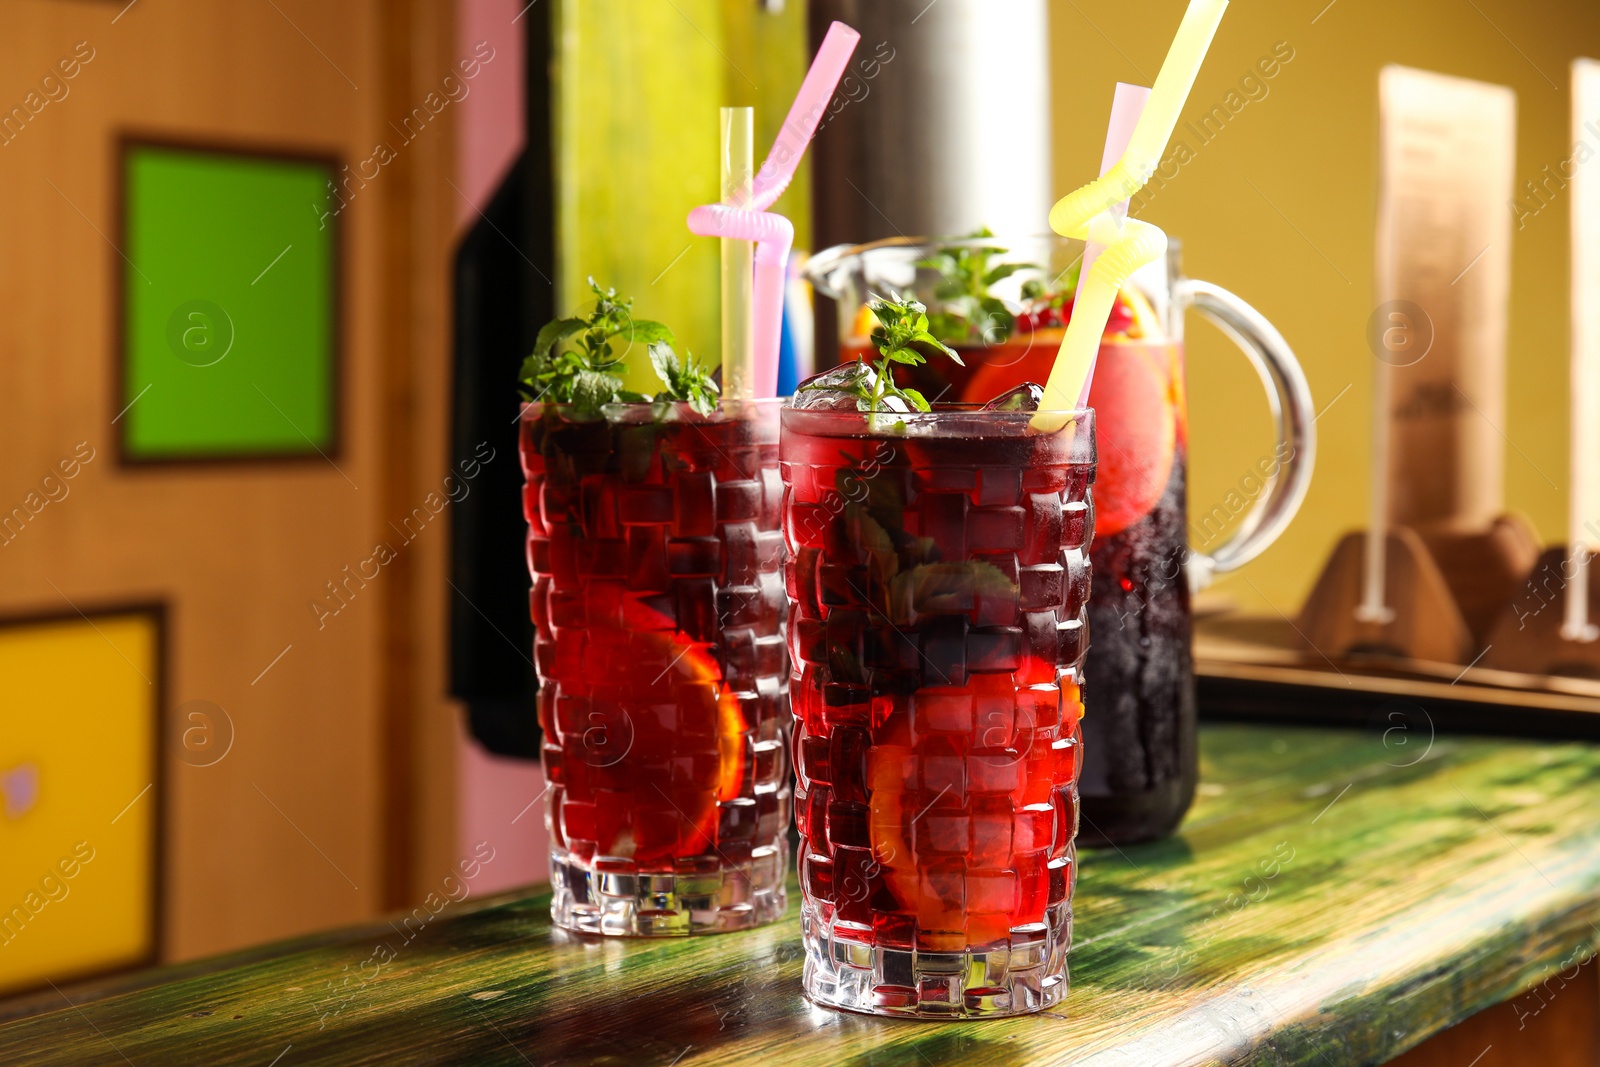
(1002, 303)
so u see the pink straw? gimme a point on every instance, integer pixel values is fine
(804, 115)
(1126, 107)
(774, 234)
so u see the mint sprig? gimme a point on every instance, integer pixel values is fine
(902, 336)
(1038, 295)
(574, 361)
(969, 314)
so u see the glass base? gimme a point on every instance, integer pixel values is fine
(1026, 974)
(701, 895)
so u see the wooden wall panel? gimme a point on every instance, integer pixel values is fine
(336, 710)
(420, 730)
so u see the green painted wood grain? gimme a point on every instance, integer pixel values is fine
(1412, 897)
(639, 87)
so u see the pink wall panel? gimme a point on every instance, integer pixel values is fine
(501, 800)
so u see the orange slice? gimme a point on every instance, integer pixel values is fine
(1146, 324)
(687, 661)
(1137, 431)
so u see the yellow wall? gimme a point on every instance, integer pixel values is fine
(1310, 146)
(637, 125)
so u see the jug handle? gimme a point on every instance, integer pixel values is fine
(1293, 416)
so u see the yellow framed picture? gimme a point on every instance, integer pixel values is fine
(80, 794)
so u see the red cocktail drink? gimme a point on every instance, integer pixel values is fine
(938, 576)
(656, 552)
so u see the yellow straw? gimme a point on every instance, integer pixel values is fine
(738, 179)
(1131, 244)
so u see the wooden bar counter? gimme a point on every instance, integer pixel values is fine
(1335, 897)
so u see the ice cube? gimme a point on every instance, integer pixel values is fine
(824, 400)
(836, 389)
(841, 388)
(1025, 397)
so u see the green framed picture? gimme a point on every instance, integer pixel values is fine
(229, 276)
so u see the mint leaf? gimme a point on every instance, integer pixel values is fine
(593, 389)
(924, 339)
(886, 313)
(554, 333)
(943, 262)
(1003, 271)
(665, 362)
(686, 380)
(533, 367)
(945, 589)
(646, 332)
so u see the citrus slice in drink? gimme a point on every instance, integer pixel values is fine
(933, 845)
(684, 707)
(1146, 325)
(1136, 423)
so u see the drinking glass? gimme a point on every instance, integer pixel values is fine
(938, 576)
(1140, 756)
(656, 552)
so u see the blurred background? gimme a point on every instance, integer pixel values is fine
(243, 476)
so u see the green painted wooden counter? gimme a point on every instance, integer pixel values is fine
(1325, 903)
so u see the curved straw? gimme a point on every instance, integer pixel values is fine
(804, 115)
(774, 234)
(774, 237)
(1161, 113)
(1132, 243)
(1126, 107)
(1140, 243)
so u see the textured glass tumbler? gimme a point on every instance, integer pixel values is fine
(938, 578)
(656, 552)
